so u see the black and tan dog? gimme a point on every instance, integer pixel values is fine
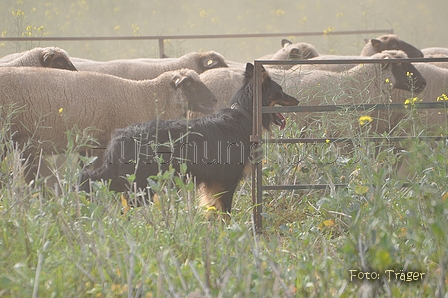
(215, 148)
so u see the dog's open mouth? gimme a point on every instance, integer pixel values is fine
(280, 120)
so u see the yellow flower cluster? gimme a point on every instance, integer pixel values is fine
(442, 97)
(18, 13)
(365, 120)
(328, 30)
(411, 101)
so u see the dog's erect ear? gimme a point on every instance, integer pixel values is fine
(249, 69)
(264, 75)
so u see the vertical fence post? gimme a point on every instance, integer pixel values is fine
(161, 48)
(257, 176)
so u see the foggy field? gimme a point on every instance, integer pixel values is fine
(419, 23)
(383, 235)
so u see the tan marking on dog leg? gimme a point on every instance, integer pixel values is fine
(210, 199)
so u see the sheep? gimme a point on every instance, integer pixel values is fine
(372, 47)
(364, 83)
(144, 69)
(224, 83)
(51, 57)
(329, 67)
(389, 42)
(437, 53)
(292, 51)
(436, 90)
(435, 121)
(53, 101)
(10, 57)
(318, 86)
(429, 52)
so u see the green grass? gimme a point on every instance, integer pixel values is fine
(58, 243)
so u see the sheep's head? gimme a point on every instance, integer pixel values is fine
(195, 94)
(295, 51)
(405, 76)
(392, 42)
(209, 60)
(56, 58)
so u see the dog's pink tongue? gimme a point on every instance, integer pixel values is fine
(282, 120)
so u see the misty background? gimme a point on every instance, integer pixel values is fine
(422, 24)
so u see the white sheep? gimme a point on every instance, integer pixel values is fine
(435, 120)
(143, 68)
(364, 83)
(329, 67)
(292, 51)
(372, 47)
(51, 57)
(224, 83)
(429, 52)
(53, 101)
(437, 53)
(389, 42)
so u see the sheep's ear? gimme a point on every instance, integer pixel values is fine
(376, 43)
(177, 81)
(47, 55)
(285, 43)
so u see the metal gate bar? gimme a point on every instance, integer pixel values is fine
(161, 38)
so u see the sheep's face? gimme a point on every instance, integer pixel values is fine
(392, 42)
(57, 59)
(402, 76)
(407, 77)
(302, 51)
(195, 94)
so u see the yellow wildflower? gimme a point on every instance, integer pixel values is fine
(411, 101)
(211, 208)
(279, 12)
(365, 120)
(327, 141)
(387, 80)
(442, 97)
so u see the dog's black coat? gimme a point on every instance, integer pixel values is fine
(215, 148)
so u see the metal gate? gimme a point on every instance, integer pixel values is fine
(257, 140)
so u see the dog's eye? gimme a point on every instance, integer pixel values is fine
(188, 83)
